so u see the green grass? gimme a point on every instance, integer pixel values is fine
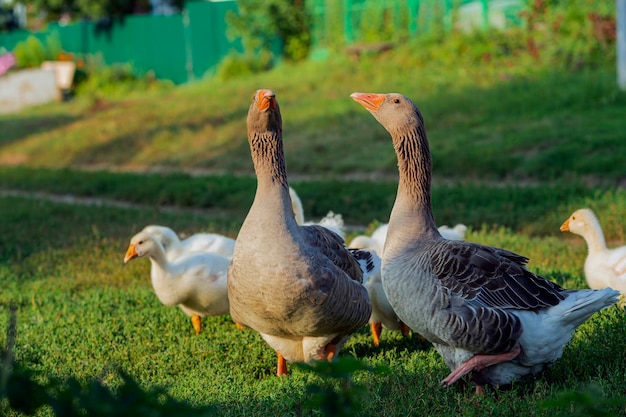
(517, 145)
(533, 209)
(82, 314)
(486, 122)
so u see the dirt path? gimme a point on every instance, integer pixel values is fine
(100, 202)
(105, 202)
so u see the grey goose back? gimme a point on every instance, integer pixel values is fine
(483, 310)
(298, 286)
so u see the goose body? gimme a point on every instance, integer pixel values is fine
(199, 242)
(483, 310)
(383, 315)
(604, 267)
(196, 283)
(298, 286)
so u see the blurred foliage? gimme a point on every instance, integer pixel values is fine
(32, 52)
(260, 24)
(237, 65)
(8, 20)
(588, 402)
(339, 395)
(565, 35)
(99, 81)
(571, 35)
(72, 397)
(93, 9)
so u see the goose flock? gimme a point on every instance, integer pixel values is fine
(306, 291)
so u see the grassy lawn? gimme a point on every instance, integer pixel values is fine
(485, 123)
(517, 146)
(83, 314)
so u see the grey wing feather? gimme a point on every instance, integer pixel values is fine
(492, 277)
(333, 246)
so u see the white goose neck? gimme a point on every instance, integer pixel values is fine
(594, 237)
(157, 256)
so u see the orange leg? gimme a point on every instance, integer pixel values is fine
(282, 365)
(196, 321)
(331, 351)
(478, 363)
(376, 328)
(239, 326)
(404, 329)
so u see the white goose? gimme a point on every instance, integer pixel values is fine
(296, 205)
(298, 286)
(199, 242)
(377, 240)
(332, 221)
(453, 233)
(604, 267)
(382, 312)
(482, 309)
(196, 282)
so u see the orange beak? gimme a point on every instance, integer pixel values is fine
(370, 101)
(266, 99)
(565, 226)
(131, 253)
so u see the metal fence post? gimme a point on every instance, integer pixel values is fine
(485, 14)
(348, 27)
(188, 46)
(447, 15)
(620, 44)
(414, 6)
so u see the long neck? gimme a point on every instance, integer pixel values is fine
(412, 212)
(165, 278)
(269, 164)
(594, 236)
(269, 159)
(157, 256)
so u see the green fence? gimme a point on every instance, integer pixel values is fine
(183, 47)
(343, 22)
(180, 47)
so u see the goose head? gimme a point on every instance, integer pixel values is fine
(395, 112)
(264, 113)
(580, 222)
(164, 235)
(141, 244)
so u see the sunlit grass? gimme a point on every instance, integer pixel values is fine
(82, 313)
(485, 120)
(517, 145)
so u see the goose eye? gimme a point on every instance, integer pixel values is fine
(397, 100)
(140, 242)
(573, 217)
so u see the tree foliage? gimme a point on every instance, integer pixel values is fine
(261, 24)
(94, 9)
